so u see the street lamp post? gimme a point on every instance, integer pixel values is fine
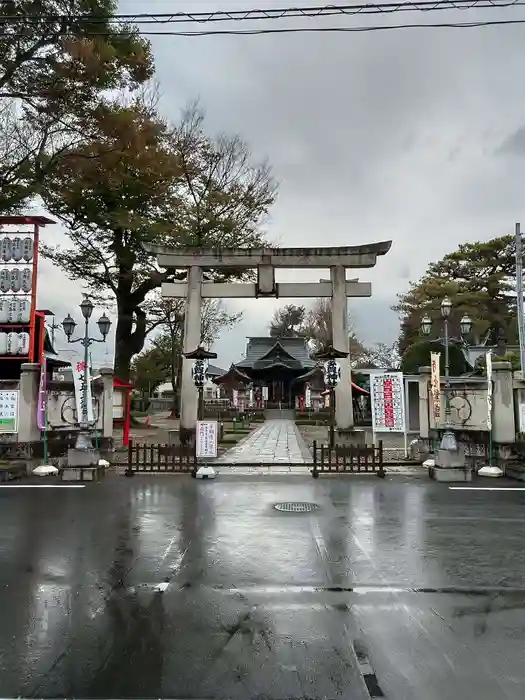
(448, 440)
(83, 441)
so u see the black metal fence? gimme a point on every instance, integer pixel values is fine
(347, 458)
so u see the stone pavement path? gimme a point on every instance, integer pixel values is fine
(274, 442)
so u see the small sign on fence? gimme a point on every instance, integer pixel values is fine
(207, 438)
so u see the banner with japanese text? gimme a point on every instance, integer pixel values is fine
(488, 357)
(435, 385)
(82, 388)
(42, 396)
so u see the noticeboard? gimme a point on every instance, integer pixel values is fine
(9, 411)
(388, 403)
(206, 439)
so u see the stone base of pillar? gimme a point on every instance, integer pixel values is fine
(350, 436)
(450, 465)
(83, 473)
(82, 458)
(187, 436)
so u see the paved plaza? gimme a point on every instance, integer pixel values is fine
(274, 442)
(169, 587)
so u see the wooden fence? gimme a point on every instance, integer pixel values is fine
(347, 458)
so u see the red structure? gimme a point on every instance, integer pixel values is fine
(123, 407)
(33, 327)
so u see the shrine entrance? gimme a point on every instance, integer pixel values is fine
(196, 261)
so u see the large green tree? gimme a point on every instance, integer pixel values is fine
(59, 60)
(479, 279)
(149, 183)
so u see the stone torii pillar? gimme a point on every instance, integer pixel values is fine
(344, 415)
(189, 396)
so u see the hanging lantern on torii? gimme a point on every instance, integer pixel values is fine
(332, 377)
(332, 373)
(198, 372)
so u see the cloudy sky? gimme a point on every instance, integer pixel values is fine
(414, 135)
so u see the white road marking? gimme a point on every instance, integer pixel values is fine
(486, 488)
(43, 486)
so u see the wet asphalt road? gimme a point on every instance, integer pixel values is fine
(166, 587)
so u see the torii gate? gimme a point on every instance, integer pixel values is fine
(264, 261)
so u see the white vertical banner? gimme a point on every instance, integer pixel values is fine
(488, 358)
(251, 400)
(435, 385)
(235, 398)
(42, 397)
(308, 397)
(78, 382)
(265, 393)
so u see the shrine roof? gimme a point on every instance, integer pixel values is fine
(264, 352)
(25, 220)
(233, 376)
(214, 371)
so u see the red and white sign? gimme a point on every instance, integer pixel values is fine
(388, 402)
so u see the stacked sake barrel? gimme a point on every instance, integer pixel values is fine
(16, 281)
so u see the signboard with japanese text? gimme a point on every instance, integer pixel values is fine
(207, 438)
(78, 382)
(308, 397)
(388, 402)
(265, 393)
(435, 385)
(9, 411)
(235, 398)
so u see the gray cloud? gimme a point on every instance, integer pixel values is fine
(514, 144)
(373, 136)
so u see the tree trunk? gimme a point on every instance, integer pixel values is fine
(128, 342)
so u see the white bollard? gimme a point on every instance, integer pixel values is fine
(206, 473)
(490, 471)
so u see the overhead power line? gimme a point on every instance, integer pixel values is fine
(164, 18)
(311, 30)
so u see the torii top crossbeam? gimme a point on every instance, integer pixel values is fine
(358, 256)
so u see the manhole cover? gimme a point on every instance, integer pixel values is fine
(296, 507)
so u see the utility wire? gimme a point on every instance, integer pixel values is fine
(299, 30)
(142, 18)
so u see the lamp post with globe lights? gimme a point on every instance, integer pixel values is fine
(448, 441)
(83, 441)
